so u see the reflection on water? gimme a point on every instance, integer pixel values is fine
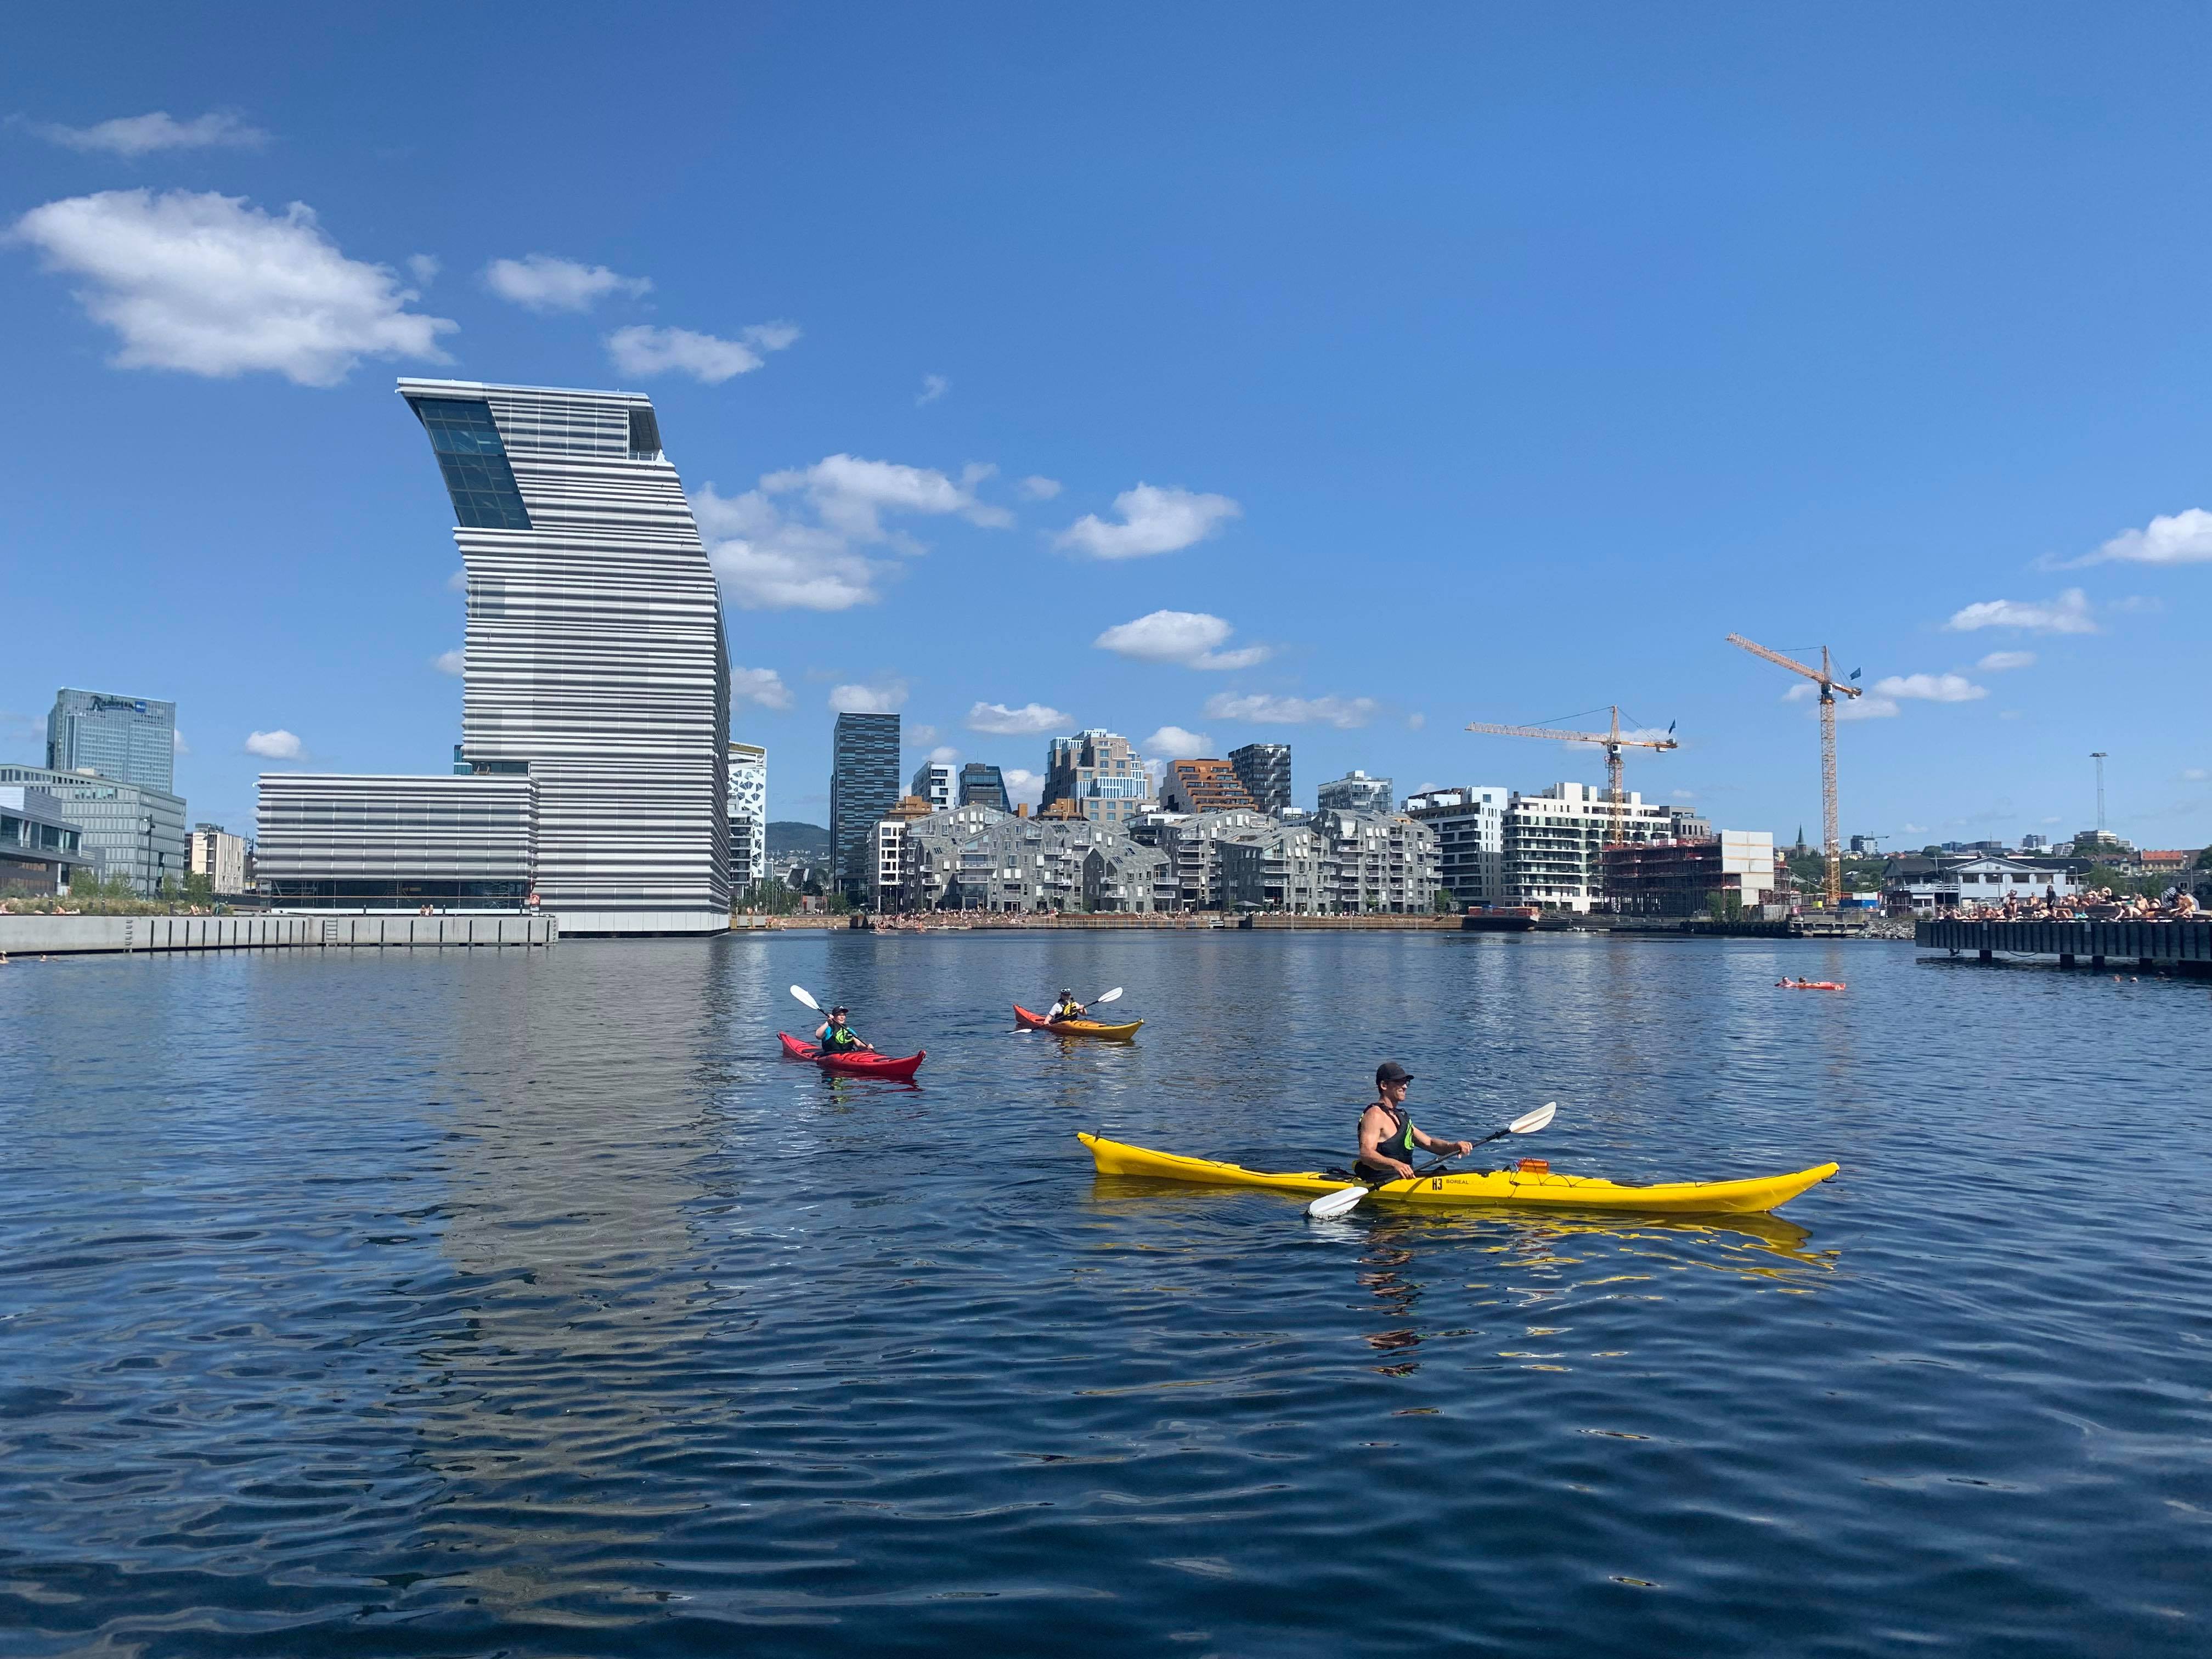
(533, 1304)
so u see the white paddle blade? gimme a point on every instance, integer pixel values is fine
(800, 992)
(1335, 1204)
(1540, 1118)
(1114, 995)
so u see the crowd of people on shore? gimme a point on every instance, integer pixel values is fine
(2096, 904)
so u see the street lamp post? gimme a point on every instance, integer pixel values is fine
(2098, 755)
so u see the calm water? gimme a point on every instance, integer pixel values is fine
(477, 1304)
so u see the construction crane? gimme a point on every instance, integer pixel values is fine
(1611, 741)
(1825, 678)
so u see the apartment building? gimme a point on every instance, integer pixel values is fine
(1469, 824)
(937, 782)
(1377, 863)
(1100, 773)
(1555, 842)
(1264, 769)
(1203, 786)
(1355, 791)
(975, 858)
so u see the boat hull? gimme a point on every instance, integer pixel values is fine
(868, 1065)
(1504, 1189)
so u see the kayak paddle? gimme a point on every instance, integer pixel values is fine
(1114, 995)
(1340, 1202)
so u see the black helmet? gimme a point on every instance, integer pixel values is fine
(841, 1009)
(1064, 991)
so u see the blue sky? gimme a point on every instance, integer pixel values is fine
(1437, 365)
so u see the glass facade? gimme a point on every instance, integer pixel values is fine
(129, 831)
(130, 739)
(1264, 769)
(983, 785)
(864, 786)
(474, 462)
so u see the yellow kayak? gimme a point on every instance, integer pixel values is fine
(1507, 1187)
(1098, 1028)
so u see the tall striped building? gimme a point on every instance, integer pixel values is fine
(595, 670)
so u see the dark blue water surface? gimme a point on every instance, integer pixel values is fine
(530, 1303)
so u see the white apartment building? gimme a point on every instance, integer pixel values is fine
(212, 851)
(938, 783)
(748, 816)
(1554, 840)
(1470, 829)
(1355, 791)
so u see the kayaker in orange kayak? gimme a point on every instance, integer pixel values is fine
(1386, 1135)
(834, 1036)
(1066, 1008)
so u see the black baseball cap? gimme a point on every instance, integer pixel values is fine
(1391, 1072)
(841, 1009)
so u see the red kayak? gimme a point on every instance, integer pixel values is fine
(861, 1065)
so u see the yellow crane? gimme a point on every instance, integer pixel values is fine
(1611, 741)
(1825, 678)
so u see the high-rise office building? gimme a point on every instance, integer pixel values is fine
(983, 785)
(864, 786)
(748, 816)
(1264, 769)
(936, 782)
(1100, 773)
(1355, 791)
(130, 739)
(595, 676)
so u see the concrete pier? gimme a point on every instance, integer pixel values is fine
(2181, 946)
(36, 936)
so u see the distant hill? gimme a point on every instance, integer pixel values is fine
(789, 838)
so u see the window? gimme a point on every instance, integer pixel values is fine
(644, 435)
(474, 462)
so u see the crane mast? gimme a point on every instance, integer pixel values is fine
(1824, 676)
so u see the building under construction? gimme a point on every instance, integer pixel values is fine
(1680, 878)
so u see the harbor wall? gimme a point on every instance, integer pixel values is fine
(83, 935)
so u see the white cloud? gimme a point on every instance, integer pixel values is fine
(1036, 488)
(917, 736)
(453, 662)
(1185, 637)
(944, 755)
(1153, 520)
(2067, 613)
(1022, 785)
(1871, 707)
(2184, 537)
(933, 386)
(1415, 722)
(1684, 794)
(279, 744)
(645, 351)
(209, 285)
(763, 687)
(541, 282)
(884, 699)
(1343, 712)
(771, 558)
(458, 582)
(2195, 773)
(1173, 743)
(1028, 721)
(177, 742)
(424, 268)
(1998, 662)
(1930, 688)
(141, 135)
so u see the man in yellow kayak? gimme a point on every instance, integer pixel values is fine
(1066, 1008)
(1386, 1135)
(834, 1036)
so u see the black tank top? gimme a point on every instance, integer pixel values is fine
(1398, 1143)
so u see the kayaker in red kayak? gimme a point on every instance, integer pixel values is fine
(834, 1036)
(1386, 1135)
